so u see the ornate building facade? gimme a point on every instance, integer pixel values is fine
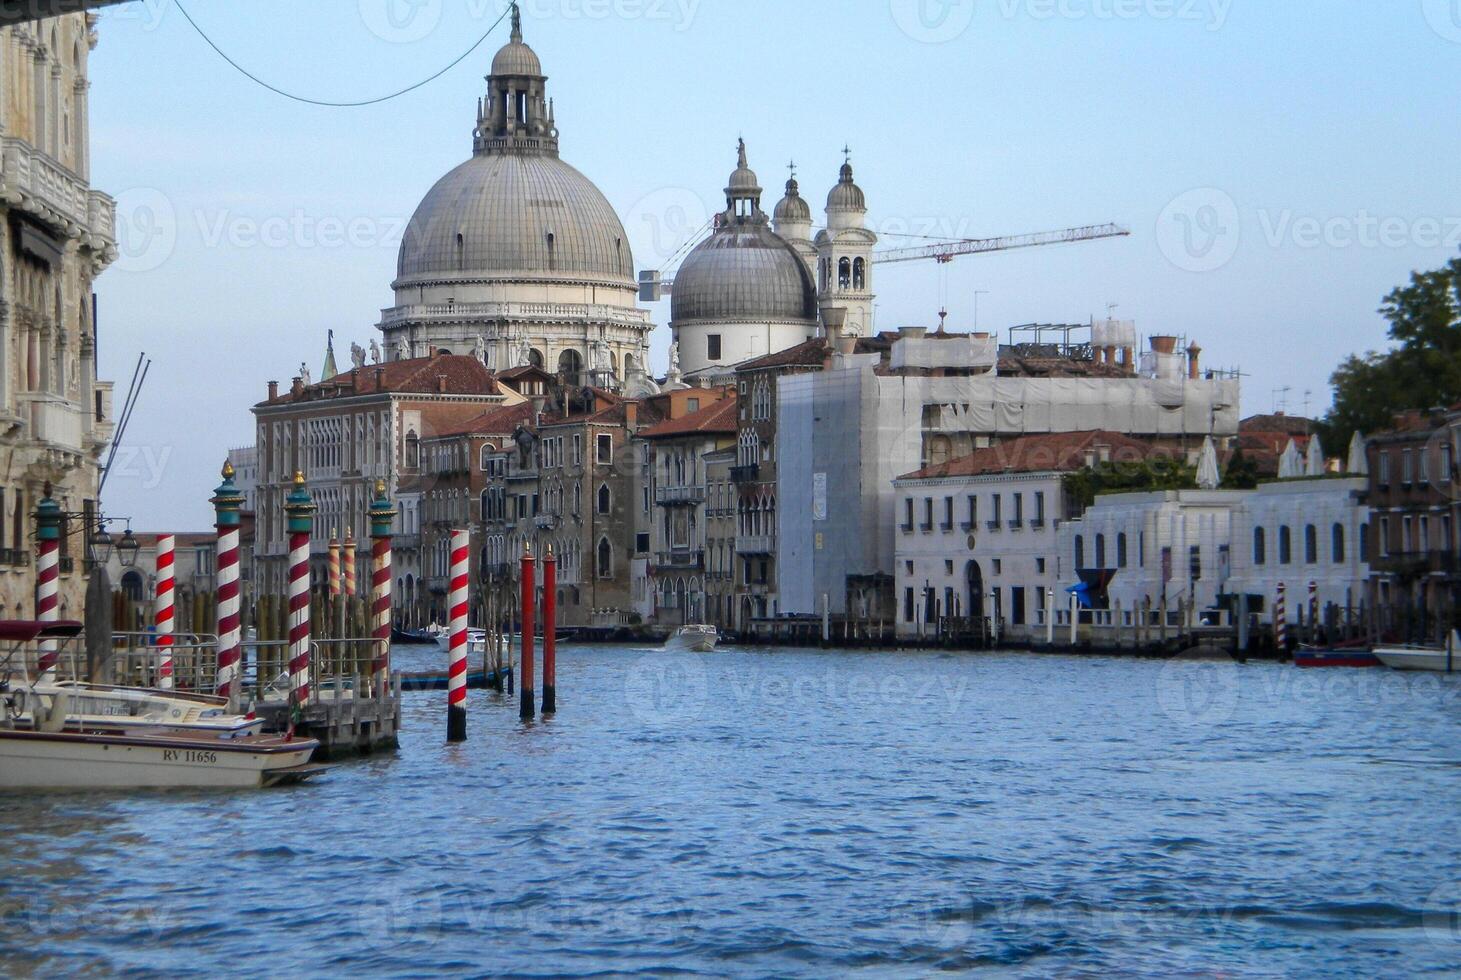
(55, 415)
(516, 257)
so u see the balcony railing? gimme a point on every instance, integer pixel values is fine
(14, 556)
(745, 474)
(46, 189)
(680, 559)
(512, 311)
(1417, 563)
(967, 525)
(926, 527)
(679, 496)
(946, 526)
(993, 525)
(1016, 524)
(906, 528)
(755, 544)
(545, 522)
(56, 421)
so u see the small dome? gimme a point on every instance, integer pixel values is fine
(743, 182)
(793, 207)
(743, 272)
(846, 196)
(516, 58)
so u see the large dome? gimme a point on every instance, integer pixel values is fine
(515, 216)
(743, 272)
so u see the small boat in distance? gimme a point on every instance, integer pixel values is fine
(696, 637)
(1339, 655)
(410, 638)
(437, 680)
(1446, 659)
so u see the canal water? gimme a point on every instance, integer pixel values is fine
(801, 813)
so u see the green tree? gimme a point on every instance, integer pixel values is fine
(1242, 472)
(1158, 473)
(1423, 370)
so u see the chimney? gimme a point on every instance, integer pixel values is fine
(297, 388)
(354, 377)
(1193, 367)
(273, 390)
(1164, 344)
(847, 345)
(913, 332)
(631, 414)
(834, 319)
(440, 380)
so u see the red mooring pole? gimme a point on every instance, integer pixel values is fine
(456, 683)
(550, 629)
(525, 682)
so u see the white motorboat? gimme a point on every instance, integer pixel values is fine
(697, 638)
(1446, 659)
(105, 709)
(33, 760)
(476, 640)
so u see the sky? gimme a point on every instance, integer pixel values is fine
(1282, 166)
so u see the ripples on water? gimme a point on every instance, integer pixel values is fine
(789, 812)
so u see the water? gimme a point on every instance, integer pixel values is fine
(801, 813)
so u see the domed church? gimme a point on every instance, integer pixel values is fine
(752, 288)
(515, 256)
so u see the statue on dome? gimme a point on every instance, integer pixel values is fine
(675, 358)
(374, 352)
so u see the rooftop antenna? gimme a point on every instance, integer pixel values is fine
(942, 316)
(1308, 395)
(1111, 310)
(1281, 399)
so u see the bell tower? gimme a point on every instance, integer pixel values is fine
(845, 254)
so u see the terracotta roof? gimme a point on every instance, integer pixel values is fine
(719, 417)
(422, 375)
(497, 421)
(809, 353)
(1061, 451)
(1293, 425)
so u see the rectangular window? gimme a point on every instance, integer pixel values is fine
(1017, 605)
(641, 542)
(994, 508)
(1039, 507)
(605, 449)
(907, 515)
(973, 511)
(948, 514)
(927, 514)
(908, 604)
(712, 346)
(1407, 467)
(1384, 469)
(1384, 537)
(1040, 566)
(1194, 563)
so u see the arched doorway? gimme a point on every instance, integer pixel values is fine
(974, 581)
(570, 367)
(133, 586)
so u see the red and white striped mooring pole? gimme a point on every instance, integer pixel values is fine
(1280, 620)
(162, 607)
(299, 511)
(525, 680)
(550, 629)
(382, 516)
(48, 575)
(347, 562)
(334, 564)
(227, 502)
(456, 675)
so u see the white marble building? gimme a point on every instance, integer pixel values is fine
(59, 234)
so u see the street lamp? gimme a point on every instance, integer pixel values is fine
(100, 545)
(127, 548)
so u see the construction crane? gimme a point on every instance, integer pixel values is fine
(944, 252)
(653, 287)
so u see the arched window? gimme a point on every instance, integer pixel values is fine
(605, 559)
(1100, 551)
(844, 273)
(535, 358)
(570, 366)
(859, 274)
(604, 499)
(1260, 547)
(1080, 551)
(1311, 545)
(413, 451)
(1285, 546)
(1121, 550)
(1336, 544)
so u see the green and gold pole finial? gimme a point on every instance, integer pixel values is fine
(299, 507)
(382, 514)
(227, 501)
